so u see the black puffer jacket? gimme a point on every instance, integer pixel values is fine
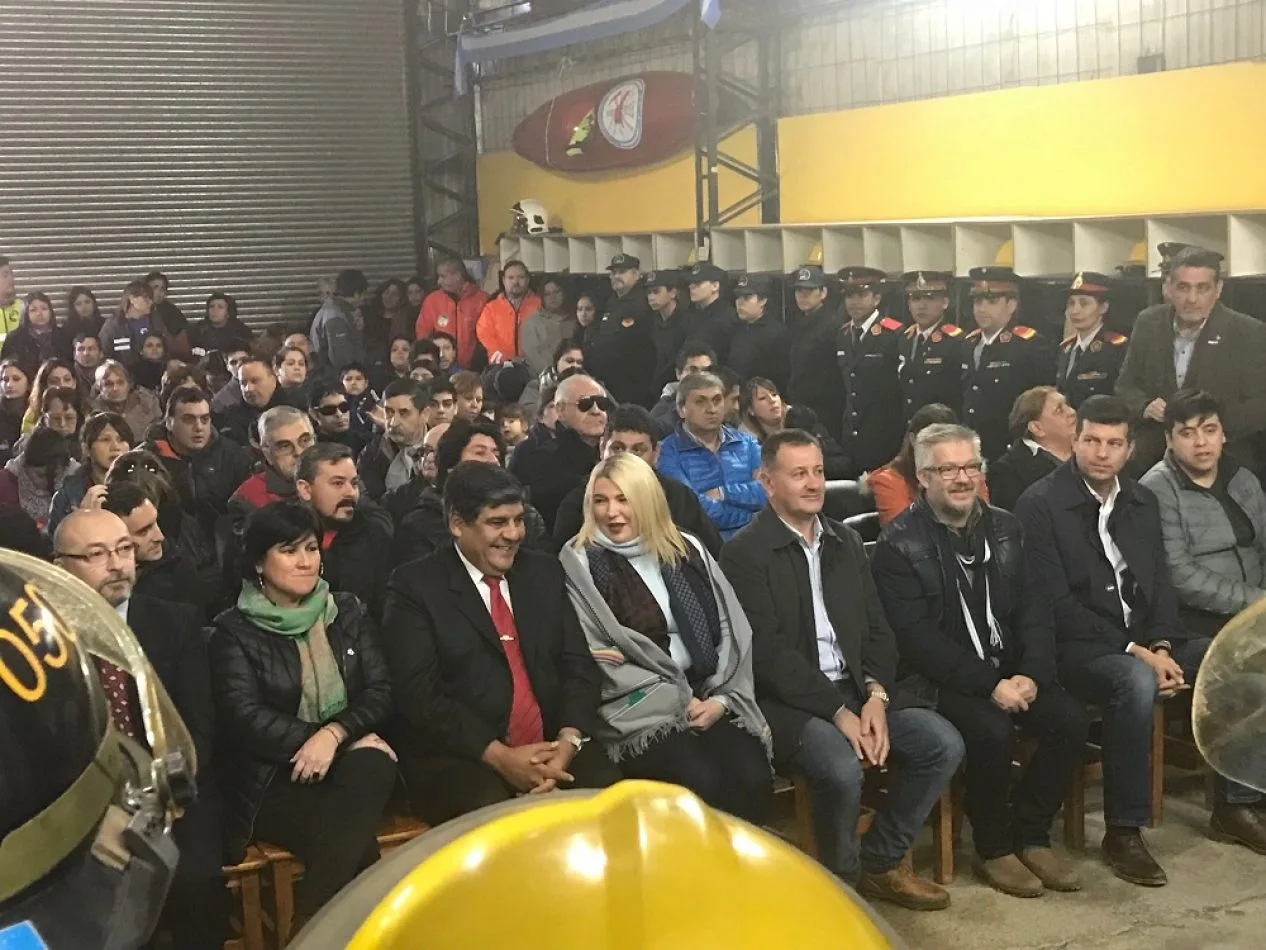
(357, 558)
(257, 692)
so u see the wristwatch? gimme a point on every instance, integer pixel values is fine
(577, 741)
(878, 692)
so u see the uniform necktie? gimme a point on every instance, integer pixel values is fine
(1073, 357)
(978, 352)
(914, 347)
(525, 713)
(118, 690)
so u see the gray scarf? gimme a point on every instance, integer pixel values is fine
(644, 693)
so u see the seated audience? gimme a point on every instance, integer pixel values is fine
(360, 397)
(148, 370)
(495, 689)
(550, 470)
(121, 334)
(21, 533)
(694, 357)
(655, 597)
(1212, 516)
(53, 374)
(356, 533)
(825, 661)
(568, 355)
(301, 690)
(950, 574)
(260, 391)
(397, 364)
(336, 335)
(513, 423)
(468, 396)
(83, 314)
(103, 438)
(718, 463)
(762, 413)
(31, 479)
(542, 332)
(895, 487)
(97, 548)
(15, 392)
(290, 364)
(1042, 424)
(175, 327)
(59, 411)
(88, 357)
(441, 402)
(1096, 558)
(38, 337)
(163, 571)
(331, 413)
(204, 466)
(116, 392)
(284, 435)
(393, 456)
(445, 352)
(220, 330)
(631, 429)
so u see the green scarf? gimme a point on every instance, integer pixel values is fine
(323, 693)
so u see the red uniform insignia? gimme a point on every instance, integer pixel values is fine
(1024, 333)
(889, 323)
(1116, 339)
(950, 330)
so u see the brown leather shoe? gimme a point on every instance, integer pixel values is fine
(902, 886)
(1239, 824)
(1127, 855)
(1009, 875)
(1052, 870)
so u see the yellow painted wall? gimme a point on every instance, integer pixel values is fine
(657, 198)
(1186, 140)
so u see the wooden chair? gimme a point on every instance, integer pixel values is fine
(286, 869)
(247, 915)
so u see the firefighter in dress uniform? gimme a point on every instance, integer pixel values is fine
(932, 349)
(1003, 358)
(868, 351)
(1091, 356)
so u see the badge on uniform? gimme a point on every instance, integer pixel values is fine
(627, 322)
(441, 321)
(1005, 337)
(936, 337)
(875, 330)
(1096, 346)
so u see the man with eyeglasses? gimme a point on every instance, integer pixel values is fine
(97, 547)
(974, 642)
(551, 469)
(331, 414)
(284, 434)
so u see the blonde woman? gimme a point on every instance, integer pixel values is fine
(673, 645)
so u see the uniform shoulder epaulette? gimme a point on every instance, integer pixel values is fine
(1068, 341)
(1116, 339)
(911, 330)
(1024, 333)
(891, 323)
(950, 330)
(975, 334)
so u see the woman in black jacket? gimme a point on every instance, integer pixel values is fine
(301, 688)
(38, 337)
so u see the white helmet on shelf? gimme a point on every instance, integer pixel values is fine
(530, 216)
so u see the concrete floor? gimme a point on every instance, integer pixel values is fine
(1215, 899)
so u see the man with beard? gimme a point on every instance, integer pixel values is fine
(97, 547)
(356, 543)
(622, 351)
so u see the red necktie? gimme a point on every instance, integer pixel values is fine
(118, 689)
(525, 714)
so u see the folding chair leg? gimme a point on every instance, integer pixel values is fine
(1158, 765)
(1075, 811)
(943, 838)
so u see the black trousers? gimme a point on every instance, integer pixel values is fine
(724, 765)
(444, 787)
(1003, 820)
(331, 825)
(196, 912)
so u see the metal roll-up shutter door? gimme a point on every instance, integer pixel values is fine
(249, 146)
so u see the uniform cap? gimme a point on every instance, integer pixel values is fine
(624, 262)
(808, 277)
(926, 283)
(1090, 284)
(706, 270)
(751, 285)
(994, 282)
(858, 278)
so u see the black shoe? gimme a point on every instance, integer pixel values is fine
(1127, 855)
(1239, 824)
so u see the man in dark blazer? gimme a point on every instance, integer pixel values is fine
(1194, 342)
(496, 690)
(933, 350)
(950, 573)
(868, 350)
(1042, 425)
(1095, 557)
(97, 547)
(825, 663)
(815, 374)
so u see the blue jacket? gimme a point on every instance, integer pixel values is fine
(732, 469)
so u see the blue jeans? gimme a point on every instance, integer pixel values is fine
(1125, 687)
(926, 751)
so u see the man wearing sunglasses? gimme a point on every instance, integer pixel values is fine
(550, 470)
(331, 414)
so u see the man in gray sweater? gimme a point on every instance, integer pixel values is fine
(1213, 516)
(337, 331)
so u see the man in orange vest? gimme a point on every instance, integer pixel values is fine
(498, 327)
(453, 308)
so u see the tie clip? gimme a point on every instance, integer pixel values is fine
(507, 639)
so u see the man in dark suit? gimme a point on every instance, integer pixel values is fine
(932, 349)
(1004, 358)
(759, 346)
(1090, 357)
(1094, 555)
(97, 548)
(868, 349)
(1194, 342)
(815, 375)
(1042, 424)
(496, 690)
(950, 573)
(825, 663)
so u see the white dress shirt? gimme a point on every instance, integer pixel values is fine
(1115, 557)
(485, 592)
(830, 657)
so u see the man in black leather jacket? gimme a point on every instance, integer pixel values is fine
(950, 573)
